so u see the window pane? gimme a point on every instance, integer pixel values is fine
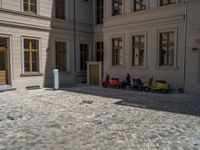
(61, 56)
(26, 44)
(83, 56)
(117, 56)
(31, 55)
(34, 44)
(60, 9)
(138, 50)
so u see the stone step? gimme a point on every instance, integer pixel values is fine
(5, 88)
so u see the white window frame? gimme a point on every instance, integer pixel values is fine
(123, 50)
(177, 1)
(39, 53)
(111, 8)
(132, 7)
(145, 33)
(175, 30)
(37, 11)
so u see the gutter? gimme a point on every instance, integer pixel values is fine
(75, 36)
(185, 46)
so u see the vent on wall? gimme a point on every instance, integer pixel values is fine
(33, 87)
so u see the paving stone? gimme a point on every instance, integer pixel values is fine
(94, 118)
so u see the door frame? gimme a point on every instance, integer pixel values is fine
(8, 59)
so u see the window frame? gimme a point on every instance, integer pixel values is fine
(174, 66)
(133, 49)
(65, 11)
(88, 56)
(101, 51)
(29, 12)
(169, 3)
(24, 73)
(66, 55)
(112, 8)
(134, 6)
(122, 53)
(101, 9)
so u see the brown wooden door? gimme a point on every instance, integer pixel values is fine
(94, 74)
(3, 60)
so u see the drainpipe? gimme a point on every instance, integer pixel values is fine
(75, 36)
(185, 40)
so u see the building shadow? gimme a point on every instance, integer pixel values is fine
(174, 103)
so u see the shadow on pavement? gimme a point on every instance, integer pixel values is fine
(174, 103)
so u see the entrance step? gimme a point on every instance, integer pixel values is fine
(4, 88)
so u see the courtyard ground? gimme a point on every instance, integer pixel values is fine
(93, 118)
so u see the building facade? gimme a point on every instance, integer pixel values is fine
(156, 38)
(144, 38)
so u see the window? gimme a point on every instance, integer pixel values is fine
(31, 55)
(83, 57)
(167, 2)
(30, 6)
(167, 46)
(116, 7)
(117, 51)
(140, 5)
(61, 56)
(99, 51)
(138, 50)
(99, 11)
(60, 9)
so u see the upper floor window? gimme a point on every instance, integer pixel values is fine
(99, 51)
(31, 55)
(30, 6)
(140, 5)
(84, 56)
(167, 48)
(116, 7)
(138, 50)
(117, 51)
(99, 11)
(60, 9)
(167, 2)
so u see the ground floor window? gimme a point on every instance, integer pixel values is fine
(31, 55)
(167, 47)
(99, 51)
(84, 56)
(138, 42)
(117, 51)
(61, 58)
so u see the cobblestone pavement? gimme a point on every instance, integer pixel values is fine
(93, 118)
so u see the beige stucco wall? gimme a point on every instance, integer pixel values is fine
(149, 22)
(193, 57)
(15, 24)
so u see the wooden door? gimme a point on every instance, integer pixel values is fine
(94, 74)
(3, 65)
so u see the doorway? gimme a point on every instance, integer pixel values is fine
(3, 61)
(94, 74)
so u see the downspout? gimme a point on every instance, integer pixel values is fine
(185, 45)
(75, 36)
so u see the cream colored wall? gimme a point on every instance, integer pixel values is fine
(193, 57)
(16, 24)
(150, 22)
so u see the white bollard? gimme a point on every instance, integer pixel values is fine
(56, 79)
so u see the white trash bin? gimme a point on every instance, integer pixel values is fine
(56, 79)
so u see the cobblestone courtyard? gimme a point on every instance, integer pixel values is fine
(93, 118)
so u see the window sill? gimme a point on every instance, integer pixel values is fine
(167, 68)
(138, 67)
(118, 67)
(31, 74)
